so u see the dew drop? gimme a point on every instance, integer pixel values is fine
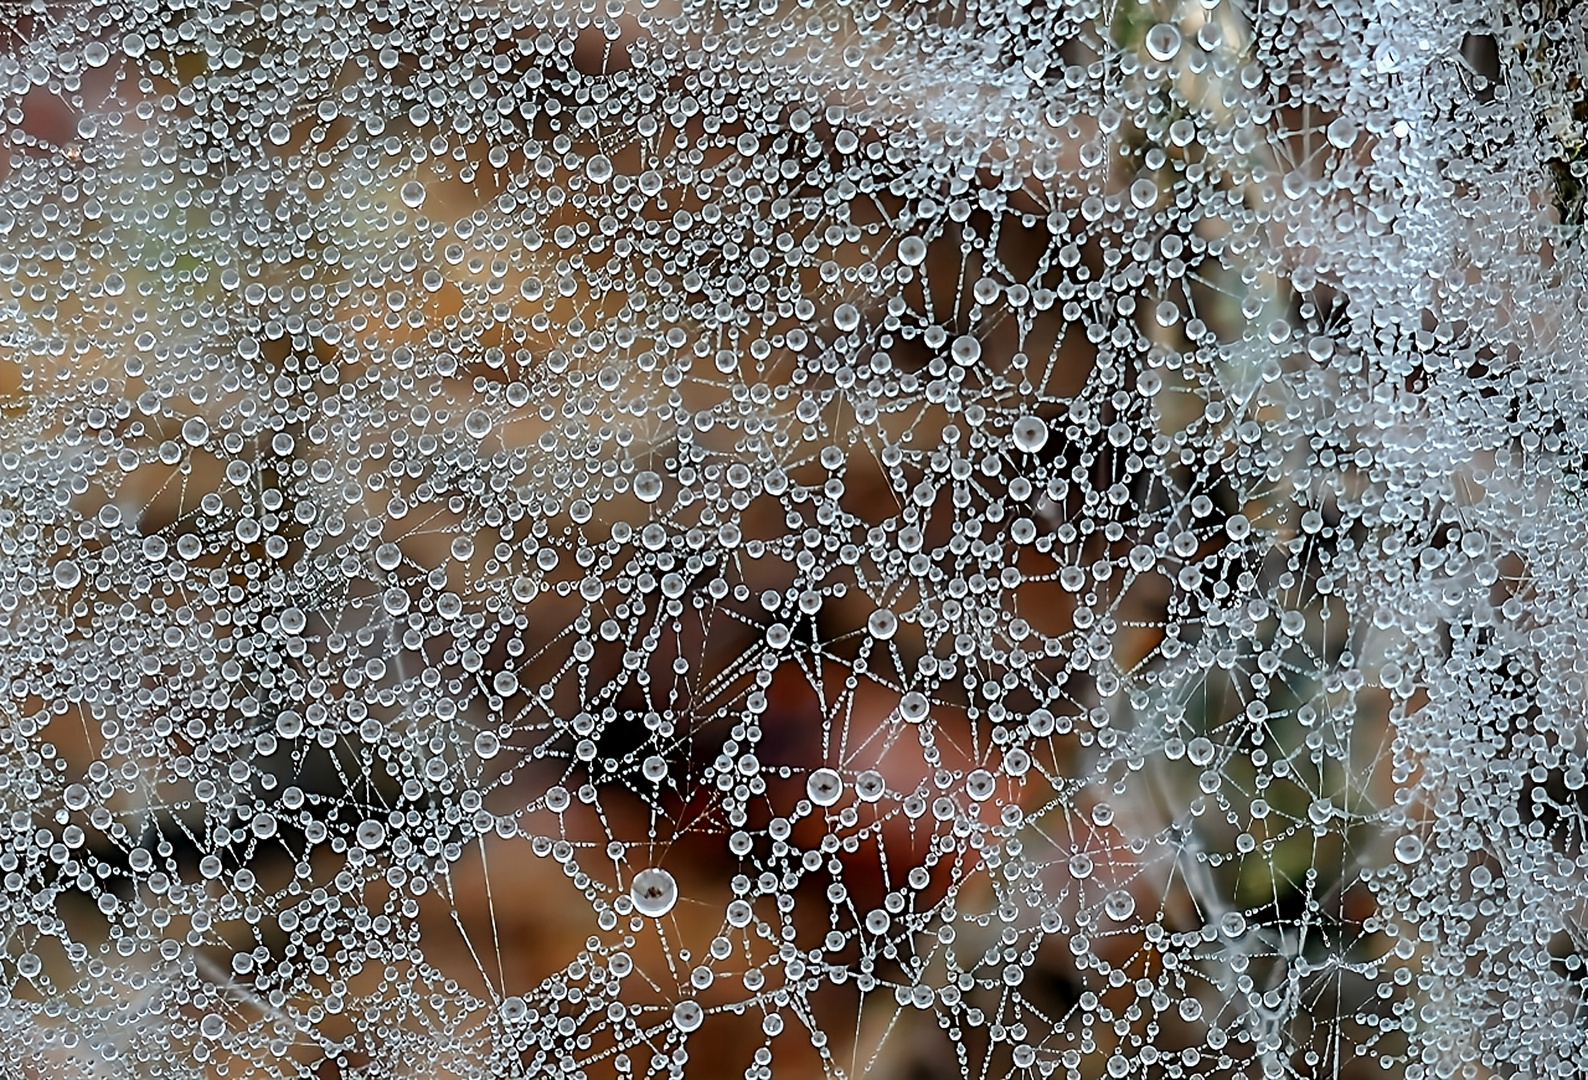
(870, 785)
(1119, 905)
(882, 624)
(371, 834)
(966, 349)
(688, 1016)
(654, 892)
(1029, 434)
(1163, 42)
(824, 787)
(1341, 132)
(647, 486)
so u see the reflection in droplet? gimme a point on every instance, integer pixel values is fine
(654, 892)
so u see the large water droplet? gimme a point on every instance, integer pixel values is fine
(1342, 132)
(882, 624)
(687, 1016)
(654, 892)
(1120, 905)
(824, 786)
(1163, 42)
(1029, 434)
(647, 486)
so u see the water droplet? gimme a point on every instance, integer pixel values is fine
(599, 168)
(412, 194)
(688, 1016)
(882, 624)
(1029, 434)
(1163, 42)
(912, 251)
(654, 892)
(477, 424)
(824, 787)
(647, 486)
(1409, 848)
(1119, 905)
(1342, 132)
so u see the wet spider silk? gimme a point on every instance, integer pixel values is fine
(786, 539)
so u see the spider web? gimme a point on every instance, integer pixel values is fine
(805, 538)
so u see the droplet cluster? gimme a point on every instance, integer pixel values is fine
(662, 539)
